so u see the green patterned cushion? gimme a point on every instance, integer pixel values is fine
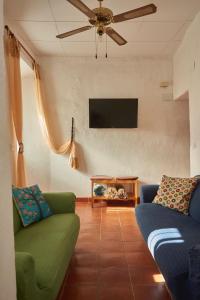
(43, 205)
(175, 193)
(26, 205)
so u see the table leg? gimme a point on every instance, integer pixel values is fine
(92, 198)
(136, 192)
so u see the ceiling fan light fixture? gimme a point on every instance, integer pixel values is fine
(100, 30)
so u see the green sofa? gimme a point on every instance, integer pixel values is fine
(44, 249)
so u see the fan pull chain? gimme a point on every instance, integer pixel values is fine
(106, 46)
(96, 44)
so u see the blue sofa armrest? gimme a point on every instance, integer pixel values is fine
(194, 271)
(148, 192)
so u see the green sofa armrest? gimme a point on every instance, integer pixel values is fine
(61, 203)
(25, 275)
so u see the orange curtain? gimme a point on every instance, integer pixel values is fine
(12, 54)
(69, 147)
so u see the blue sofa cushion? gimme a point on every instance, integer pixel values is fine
(169, 236)
(148, 192)
(194, 271)
(194, 209)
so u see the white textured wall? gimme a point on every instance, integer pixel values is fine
(160, 144)
(187, 78)
(7, 265)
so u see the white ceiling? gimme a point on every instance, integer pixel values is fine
(38, 22)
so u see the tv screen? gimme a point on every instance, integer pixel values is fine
(113, 113)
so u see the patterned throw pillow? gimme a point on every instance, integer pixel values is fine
(175, 193)
(43, 205)
(26, 205)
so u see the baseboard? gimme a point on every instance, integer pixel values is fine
(83, 199)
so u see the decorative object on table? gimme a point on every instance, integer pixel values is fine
(99, 189)
(111, 193)
(119, 186)
(175, 193)
(122, 194)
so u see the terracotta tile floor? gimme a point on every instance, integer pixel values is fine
(111, 260)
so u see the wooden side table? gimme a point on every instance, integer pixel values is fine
(112, 181)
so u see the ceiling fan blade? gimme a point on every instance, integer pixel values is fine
(72, 32)
(135, 13)
(115, 36)
(83, 8)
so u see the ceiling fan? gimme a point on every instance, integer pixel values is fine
(101, 17)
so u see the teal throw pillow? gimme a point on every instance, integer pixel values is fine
(42, 203)
(26, 205)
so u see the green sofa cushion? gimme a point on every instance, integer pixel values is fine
(51, 243)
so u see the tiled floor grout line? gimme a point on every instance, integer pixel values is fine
(97, 253)
(101, 224)
(98, 279)
(131, 284)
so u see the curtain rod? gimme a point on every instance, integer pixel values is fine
(21, 45)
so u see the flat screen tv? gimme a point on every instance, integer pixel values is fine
(113, 113)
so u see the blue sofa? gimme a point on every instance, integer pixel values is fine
(173, 240)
